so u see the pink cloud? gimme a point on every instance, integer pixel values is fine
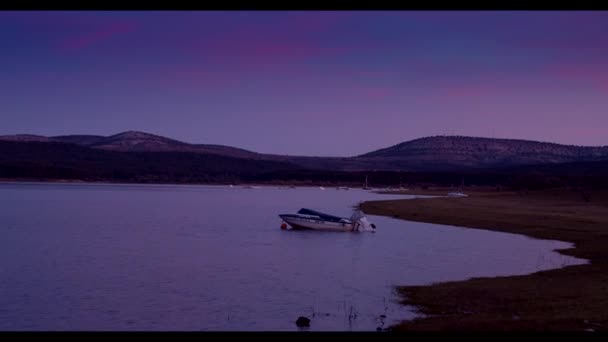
(81, 29)
(263, 44)
(51, 20)
(196, 76)
(499, 83)
(594, 74)
(102, 33)
(362, 75)
(468, 91)
(603, 85)
(589, 43)
(572, 71)
(315, 22)
(377, 93)
(249, 49)
(478, 86)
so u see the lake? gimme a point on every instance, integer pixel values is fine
(185, 257)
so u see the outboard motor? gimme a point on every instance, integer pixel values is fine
(365, 225)
(361, 222)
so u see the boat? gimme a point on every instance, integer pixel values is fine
(366, 187)
(459, 192)
(315, 220)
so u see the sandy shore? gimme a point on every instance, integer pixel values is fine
(570, 298)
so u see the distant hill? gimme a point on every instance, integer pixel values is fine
(133, 141)
(25, 138)
(84, 140)
(57, 160)
(140, 155)
(446, 152)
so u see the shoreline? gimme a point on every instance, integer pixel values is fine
(239, 184)
(563, 299)
(279, 184)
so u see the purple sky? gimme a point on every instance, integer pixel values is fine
(307, 83)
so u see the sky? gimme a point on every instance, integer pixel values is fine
(326, 83)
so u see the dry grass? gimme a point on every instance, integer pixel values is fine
(571, 298)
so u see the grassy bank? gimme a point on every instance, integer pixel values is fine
(571, 298)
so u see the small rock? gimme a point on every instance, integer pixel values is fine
(303, 322)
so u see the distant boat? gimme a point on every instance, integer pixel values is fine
(322, 188)
(366, 187)
(314, 220)
(458, 193)
(401, 188)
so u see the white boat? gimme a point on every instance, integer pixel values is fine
(366, 187)
(457, 194)
(311, 219)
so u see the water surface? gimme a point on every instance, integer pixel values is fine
(166, 257)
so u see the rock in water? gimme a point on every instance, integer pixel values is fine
(303, 322)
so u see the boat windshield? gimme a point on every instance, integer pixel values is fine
(325, 217)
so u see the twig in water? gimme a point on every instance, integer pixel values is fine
(385, 306)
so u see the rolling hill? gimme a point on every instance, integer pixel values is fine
(140, 157)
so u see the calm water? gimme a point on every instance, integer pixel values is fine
(155, 257)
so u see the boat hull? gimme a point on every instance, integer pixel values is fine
(314, 224)
(456, 194)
